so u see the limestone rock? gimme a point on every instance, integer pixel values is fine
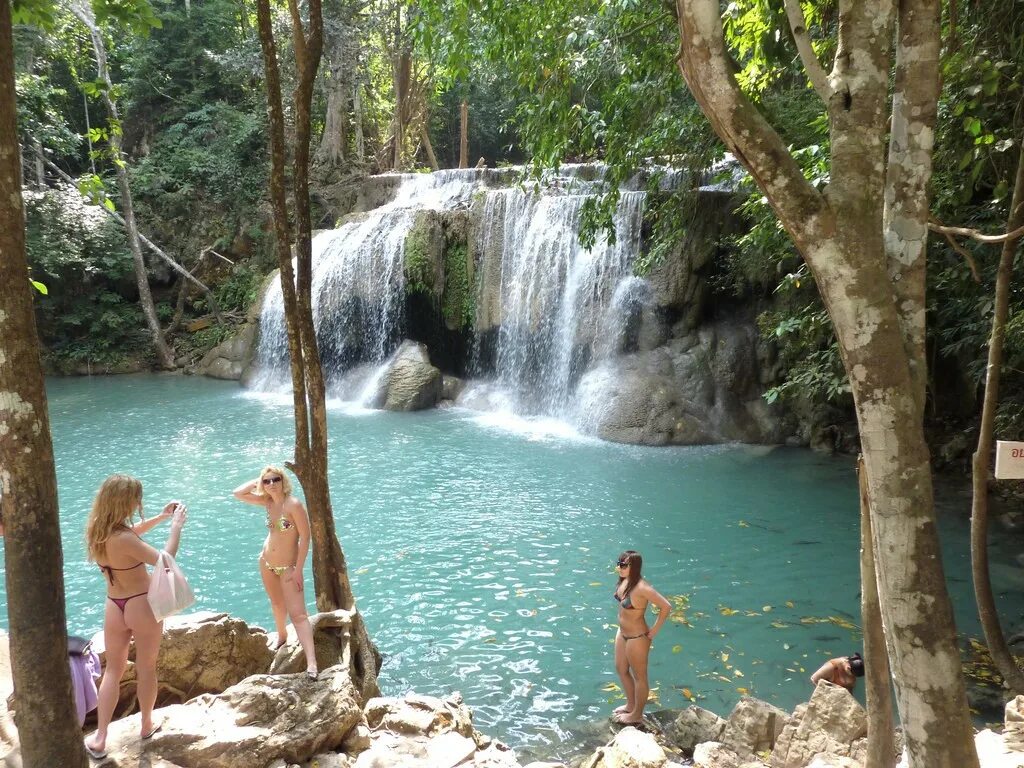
(1013, 729)
(498, 755)
(261, 719)
(829, 724)
(631, 748)
(753, 726)
(410, 382)
(328, 760)
(358, 740)
(451, 387)
(539, 764)
(203, 652)
(330, 633)
(833, 761)
(713, 754)
(420, 715)
(230, 358)
(693, 726)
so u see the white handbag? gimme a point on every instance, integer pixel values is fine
(169, 592)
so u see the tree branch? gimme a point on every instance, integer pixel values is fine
(815, 71)
(965, 253)
(936, 226)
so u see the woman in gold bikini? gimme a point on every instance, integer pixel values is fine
(283, 556)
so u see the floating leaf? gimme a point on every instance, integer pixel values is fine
(677, 648)
(726, 611)
(609, 687)
(789, 604)
(766, 608)
(688, 694)
(743, 691)
(725, 657)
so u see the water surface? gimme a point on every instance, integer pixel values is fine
(482, 551)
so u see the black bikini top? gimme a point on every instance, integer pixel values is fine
(109, 570)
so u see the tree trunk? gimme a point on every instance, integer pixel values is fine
(45, 710)
(330, 573)
(994, 637)
(403, 72)
(165, 358)
(357, 116)
(428, 147)
(841, 233)
(464, 134)
(332, 144)
(881, 752)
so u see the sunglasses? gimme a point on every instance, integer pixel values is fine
(271, 480)
(621, 564)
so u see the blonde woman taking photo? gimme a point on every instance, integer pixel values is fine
(113, 543)
(283, 555)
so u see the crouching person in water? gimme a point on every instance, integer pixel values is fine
(843, 670)
(634, 638)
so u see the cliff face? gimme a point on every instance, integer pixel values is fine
(489, 274)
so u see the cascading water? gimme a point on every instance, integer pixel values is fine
(556, 306)
(358, 287)
(555, 295)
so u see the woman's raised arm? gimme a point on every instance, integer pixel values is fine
(247, 492)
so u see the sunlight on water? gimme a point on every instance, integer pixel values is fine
(481, 548)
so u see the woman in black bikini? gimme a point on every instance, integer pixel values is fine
(283, 556)
(634, 638)
(114, 544)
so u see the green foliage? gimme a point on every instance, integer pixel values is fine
(84, 318)
(418, 265)
(240, 290)
(459, 306)
(41, 105)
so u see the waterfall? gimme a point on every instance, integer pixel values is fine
(358, 287)
(555, 295)
(550, 308)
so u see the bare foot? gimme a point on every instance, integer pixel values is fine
(628, 718)
(282, 638)
(623, 708)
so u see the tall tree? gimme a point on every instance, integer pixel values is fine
(45, 711)
(863, 237)
(83, 11)
(330, 571)
(994, 637)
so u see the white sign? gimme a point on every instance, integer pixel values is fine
(1009, 460)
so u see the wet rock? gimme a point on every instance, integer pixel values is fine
(451, 387)
(410, 382)
(1013, 724)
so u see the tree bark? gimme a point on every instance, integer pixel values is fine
(45, 711)
(428, 147)
(403, 73)
(464, 134)
(994, 637)
(840, 233)
(881, 752)
(165, 358)
(330, 572)
(357, 117)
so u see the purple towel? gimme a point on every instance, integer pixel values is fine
(85, 669)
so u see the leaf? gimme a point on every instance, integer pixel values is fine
(766, 608)
(609, 687)
(677, 648)
(789, 604)
(743, 691)
(688, 694)
(725, 657)
(40, 287)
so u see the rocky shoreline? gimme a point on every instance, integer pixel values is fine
(228, 701)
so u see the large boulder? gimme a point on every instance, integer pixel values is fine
(712, 754)
(409, 382)
(262, 719)
(203, 652)
(693, 726)
(427, 732)
(702, 387)
(754, 726)
(631, 748)
(230, 358)
(831, 723)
